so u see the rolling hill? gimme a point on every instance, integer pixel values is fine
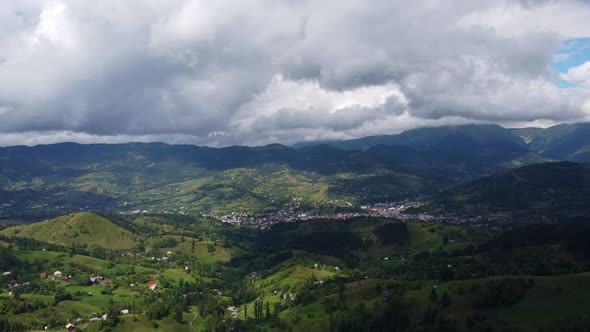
(76, 229)
(553, 190)
(561, 142)
(446, 137)
(451, 153)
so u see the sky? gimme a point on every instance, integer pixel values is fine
(254, 72)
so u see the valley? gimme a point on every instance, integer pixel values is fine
(450, 229)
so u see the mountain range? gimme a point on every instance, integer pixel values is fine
(48, 180)
(560, 142)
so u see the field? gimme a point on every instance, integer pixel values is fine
(337, 275)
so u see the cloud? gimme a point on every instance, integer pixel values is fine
(578, 75)
(228, 72)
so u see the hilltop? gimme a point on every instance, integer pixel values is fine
(446, 137)
(76, 229)
(561, 142)
(549, 189)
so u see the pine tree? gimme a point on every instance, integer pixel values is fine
(433, 295)
(446, 301)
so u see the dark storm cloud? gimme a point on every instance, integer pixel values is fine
(228, 72)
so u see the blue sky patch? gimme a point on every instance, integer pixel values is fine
(573, 53)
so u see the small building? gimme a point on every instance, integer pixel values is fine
(7, 273)
(125, 312)
(153, 285)
(233, 312)
(70, 327)
(43, 275)
(57, 273)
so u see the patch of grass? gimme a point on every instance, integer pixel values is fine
(75, 230)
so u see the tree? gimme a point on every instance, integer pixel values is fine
(446, 301)
(61, 295)
(112, 317)
(433, 295)
(178, 314)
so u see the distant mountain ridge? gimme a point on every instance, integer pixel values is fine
(560, 142)
(431, 137)
(49, 180)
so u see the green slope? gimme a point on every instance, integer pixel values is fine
(76, 229)
(561, 142)
(549, 189)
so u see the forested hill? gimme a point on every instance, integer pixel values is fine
(556, 189)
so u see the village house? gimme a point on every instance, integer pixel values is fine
(152, 284)
(125, 312)
(233, 312)
(70, 327)
(43, 275)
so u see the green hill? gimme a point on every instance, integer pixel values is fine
(550, 189)
(561, 142)
(76, 229)
(448, 154)
(446, 137)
